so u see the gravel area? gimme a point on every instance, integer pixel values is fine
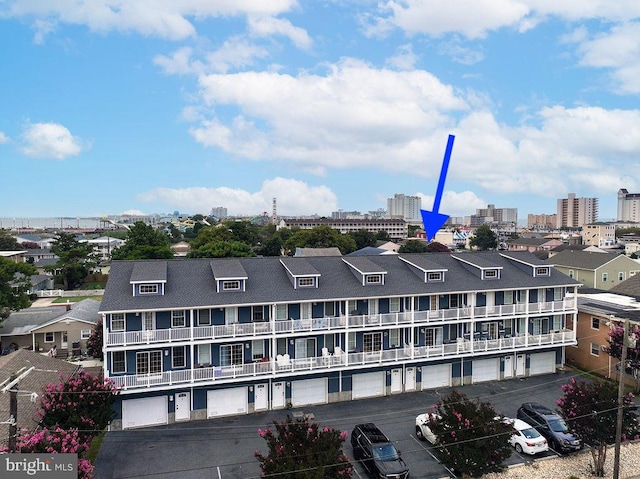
(576, 465)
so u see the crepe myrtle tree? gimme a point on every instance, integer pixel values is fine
(615, 339)
(591, 409)
(96, 341)
(472, 439)
(300, 449)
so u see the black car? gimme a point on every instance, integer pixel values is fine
(377, 453)
(551, 426)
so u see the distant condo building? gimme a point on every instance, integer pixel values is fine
(395, 227)
(406, 207)
(544, 222)
(575, 212)
(628, 206)
(219, 212)
(501, 216)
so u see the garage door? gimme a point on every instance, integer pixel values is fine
(227, 402)
(368, 385)
(485, 370)
(308, 391)
(542, 363)
(144, 412)
(436, 376)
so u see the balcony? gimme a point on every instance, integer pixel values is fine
(273, 368)
(343, 323)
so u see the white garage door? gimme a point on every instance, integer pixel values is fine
(227, 402)
(368, 385)
(485, 370)
(308, 391)
(436, 376)
(144, 412)
(542, 363)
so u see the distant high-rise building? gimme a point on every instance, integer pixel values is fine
(491, 214)
(628, 206)
(219, 212)
(406, 207)
(545, 222)
(575, 212)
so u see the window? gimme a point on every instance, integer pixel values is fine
(352, 306)
(330, 309)
(257, 350)
(329, 342)
(372, 342)
(117, 322)
(570, 273)
(204, 317)
(453, 332)
(85, 333)
(231, 354)
(351, 345)
(394, 305)
(433, 337)
(148, 288)
(257, 313)
(453, 301)
(178, 357)
(540, 271)
(230, 285)
(605, 276)
(621, 276)
(204, 354)
(305, 282)
(118, 363)
(508, 297)
(595, 349)
(394, 338)
(178, 319)
(281, 312)
(595, 323)
(48, 337)
(149, 362)
(556, 321)
(281, 346)
(557, 294)
(490, 273)
(374, 279)
(434, 276)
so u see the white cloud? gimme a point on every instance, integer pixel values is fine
(3, 138)
(459, 53)
(453, 203)
(162, 18)
(266, 26)
(294, 198)
(404, 59)
(50, 140)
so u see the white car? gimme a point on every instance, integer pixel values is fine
(526, 439)
(422, 427)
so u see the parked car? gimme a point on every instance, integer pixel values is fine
(377, 453)
(551, 426)
(423, 432)
(526, 439)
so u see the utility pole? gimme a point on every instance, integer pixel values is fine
(13, 417)
(623, 360)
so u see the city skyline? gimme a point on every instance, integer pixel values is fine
(157, 107)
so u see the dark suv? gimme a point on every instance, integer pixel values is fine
(551, 426)
(377, 454)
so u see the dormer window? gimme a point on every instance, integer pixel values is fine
(490, 274)
(374, 279)
(229, 275)
(542, 271)
(306, 282)
(148, 289)
(230, 285)
(434, 276)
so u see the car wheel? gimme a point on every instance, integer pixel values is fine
(419, 434)
(518, 448)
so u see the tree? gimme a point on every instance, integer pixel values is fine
(437, 247)
(144, 242)
(484, 238)
(413, 246)
(96, 341)
(320, 237)
(383, 235)
(615, 339)
(299, 449)
(83, 402)
(75, 259)
(472, 439)
(363, 238)
(8, 242)
(223, 249)
(591, 408)
(14, 286)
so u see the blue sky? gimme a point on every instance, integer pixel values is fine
(114, 106)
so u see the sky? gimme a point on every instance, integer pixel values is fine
(123, 106)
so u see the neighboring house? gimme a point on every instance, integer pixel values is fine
(595, 270)
(40, 282)
(201, 338)
(370, 250)
(388, 245)
(181, 248)
(42, 242)
(67, 326)
(332, 251)
(28, 372)
(15, 256)
(33, 256)
(532, 244)
(104, 246)
(598, 311)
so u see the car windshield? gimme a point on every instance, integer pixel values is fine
(530, 433)
(558, 425)
(385, 452)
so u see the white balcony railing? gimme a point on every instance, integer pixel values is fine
(273, 368)
(292, 326)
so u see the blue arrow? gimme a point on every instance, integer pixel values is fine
(433, 220)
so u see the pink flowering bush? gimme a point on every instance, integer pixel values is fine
(302, 450)
(83, 401)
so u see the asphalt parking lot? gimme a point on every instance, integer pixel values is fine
(224, 448)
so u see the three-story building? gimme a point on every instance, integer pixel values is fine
(201, 338)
